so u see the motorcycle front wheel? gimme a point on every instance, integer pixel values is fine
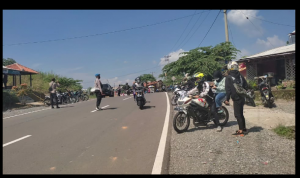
(47, 102)
(173, 100)
(179, 120)
(224, 116)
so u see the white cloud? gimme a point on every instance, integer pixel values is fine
(270, 43)
(243, 52)
(237, 17)
(174, 56)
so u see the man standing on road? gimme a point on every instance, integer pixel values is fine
(98, 91)
(119, 90)
(53, 95)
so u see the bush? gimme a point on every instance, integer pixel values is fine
(252, 85)
(9, 99)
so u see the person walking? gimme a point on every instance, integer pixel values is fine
(234, 76)
(98, 91)
(52, 90)
(119, 90)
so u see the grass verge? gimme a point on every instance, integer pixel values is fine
(287, 132)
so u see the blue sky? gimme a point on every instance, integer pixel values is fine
(120, 56)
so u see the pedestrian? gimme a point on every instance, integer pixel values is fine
(234, 76)
(119, 90)
(98, 91)
(5, 80)
(219, 86)
(52, 90)
(148, 89)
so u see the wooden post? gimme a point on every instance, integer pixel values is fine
(30, 81)
(20, 78)
(14, 80)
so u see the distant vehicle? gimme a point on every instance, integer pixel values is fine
(108, 90)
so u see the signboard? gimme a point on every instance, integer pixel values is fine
(173, 78)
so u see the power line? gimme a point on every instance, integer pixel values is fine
(256, 27)
(197, 28)
(190, 30)
(210, 28)
(116, 31)
(184, 30)
(270, 21)
(231, 36)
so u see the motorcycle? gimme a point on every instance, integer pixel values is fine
(198, 110)
(60, 99)
(176, 94)
(250, 98)
(140, 99)
(266, 90)
(163, 89)
(128, 92)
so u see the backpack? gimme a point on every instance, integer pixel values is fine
(239, 86)
(50, 88)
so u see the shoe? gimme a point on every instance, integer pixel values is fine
(245, 131)
(97, 109)
(237, 133)
(219, 129)
(52, 107)
(220, 111)
(57, 107)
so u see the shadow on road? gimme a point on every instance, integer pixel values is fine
(148, 107)
(66, 106)
(109, 108)
(231, 123)
(255, 129)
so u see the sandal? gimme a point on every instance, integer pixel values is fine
(245, 131)
(237, 133)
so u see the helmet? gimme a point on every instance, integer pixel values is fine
(96, 75)
(126, 83)
(137, 80)
(232, 65)
(198, 75)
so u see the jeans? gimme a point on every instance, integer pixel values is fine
(238, 107)
(99, 98)
(52, 96)
(219, 99)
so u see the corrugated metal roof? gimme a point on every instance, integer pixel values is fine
(279, 50)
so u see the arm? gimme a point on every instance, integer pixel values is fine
(192, 91)
(245, 84)
(204, 93)
(99, 85)
(227, 89)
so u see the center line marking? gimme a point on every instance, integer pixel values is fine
(16, 140)
(127, 98)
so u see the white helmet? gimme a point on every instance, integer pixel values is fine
(232, 65)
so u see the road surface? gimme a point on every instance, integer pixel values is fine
(76, 139)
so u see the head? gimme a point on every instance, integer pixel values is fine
(97, 76)
(218, 76)
(138, 80)
(233, 66)
(198, 76)
(53, 79)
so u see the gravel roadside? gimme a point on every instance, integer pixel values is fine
(205, 151)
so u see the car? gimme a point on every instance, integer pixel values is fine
(108, 90)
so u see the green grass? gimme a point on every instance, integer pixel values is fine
(92, 96)
(288, 132)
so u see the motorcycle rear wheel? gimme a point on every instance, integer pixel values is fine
(223, 117)
(178, 121)
(47, 102)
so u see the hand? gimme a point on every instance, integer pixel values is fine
(226, 102)
(214, 87)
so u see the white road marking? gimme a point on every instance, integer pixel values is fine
(16, 140)
(157, 167)
(101, 108)
(24, 113)
(127, 98)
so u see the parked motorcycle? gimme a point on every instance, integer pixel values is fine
(198, 110)
(60, 99)
(140, 99)
(250, 98)
(267, 98)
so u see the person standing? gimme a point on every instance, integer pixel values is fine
(98, 91)
(119, 90)
(53, 95)
(133, 90)
(234, 76)
(5, 80)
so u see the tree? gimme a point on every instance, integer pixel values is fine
(147, 77)
(8, 61)
(203, 59)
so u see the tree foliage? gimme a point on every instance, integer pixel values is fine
(147, 77)
(203, 59)
(8, 61)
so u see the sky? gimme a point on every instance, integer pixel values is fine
(123, 44)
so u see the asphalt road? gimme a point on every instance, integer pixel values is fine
(76, 139)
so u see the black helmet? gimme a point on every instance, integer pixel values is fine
(137, 80)
(126, 83)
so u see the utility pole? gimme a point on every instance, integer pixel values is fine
(167, 59)
(226, 27)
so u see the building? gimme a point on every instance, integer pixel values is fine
(280, 62)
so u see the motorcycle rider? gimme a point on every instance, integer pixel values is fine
(139, 84)
(219, 86)
(133, 90)
(126, 87)
(205, 92)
